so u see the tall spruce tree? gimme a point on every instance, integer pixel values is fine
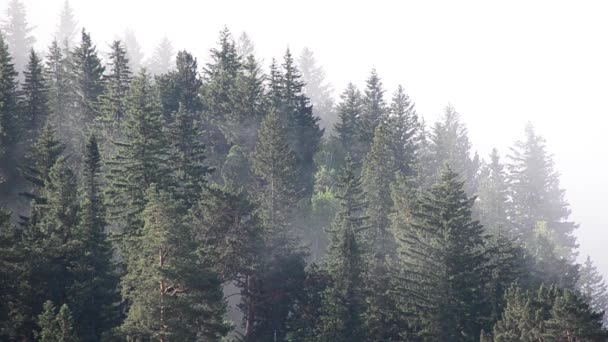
(67, 27)
(347, 127)
(35, 96)
(134, 53)
(343, 303)
(405, 126)
(162, 58)
(317, 89)
(86, 71)
(56, 326)
(58, 81)
(493, 204)
(140, 159)
(112, 104)
(172, 291)
(181, 86)
(441, 256)
(18, 36)
(593, 288)
(373, 110)
(10, 121)
(537, 195)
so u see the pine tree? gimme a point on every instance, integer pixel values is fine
(373, 110)
(134, 53)
(56, 327)
(537, 196)
(344, 300)
(17, 33)
(317, 89)
(405, 127)
(169, 282)
(87, 73)
(140, 159)
(67, 27)
(593, 288)
(112, 104)
(35, 96)
(441, 256)
(347, 127)
(162, 58)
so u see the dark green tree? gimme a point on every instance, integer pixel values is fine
(87, 81)
(10, 121)
(441, 256)
(343, 303)
(347, 127)
(173, 293)
(405, 126)
(373, 110)
(34, 102)
(181, 86)
(112, 106)
(56, 326)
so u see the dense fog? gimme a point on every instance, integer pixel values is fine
(267, 170)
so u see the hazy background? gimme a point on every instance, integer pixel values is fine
(500, 64)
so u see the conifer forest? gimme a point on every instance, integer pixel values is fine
(237, 200)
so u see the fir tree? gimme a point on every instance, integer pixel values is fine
(67, 27)
(344, 300)
(17, 33)
(10, 122)
(57, 76)
(35, 96)
(173, 293)
(181, 86)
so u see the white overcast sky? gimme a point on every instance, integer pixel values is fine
(500, 63)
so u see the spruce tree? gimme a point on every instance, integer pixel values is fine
(317, 89)
(449, 142)
(378, 175)
(187, 157)
(181, 86)
(58, 80)
(537, 195)
(35, 108)
(442, 256)
(87, 73)
(96, 293)
(162, 58)
(134, 53)
(493, 205)
(593, 288)
(172, 291)
(140, 159)
(373, 110)
(18, 36)
(344, 300)
(405, 126)
(10, 121)
(347, 127)
(67, 27)
(112, 104)
(56, 327)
